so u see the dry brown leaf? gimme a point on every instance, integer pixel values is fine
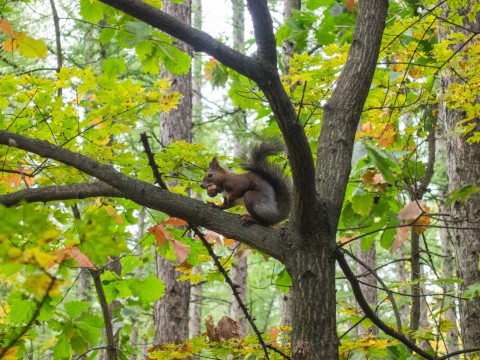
(212, 330)
(400, 238)
(180, 250)
(412, 210)
(161, 235)
(228, 328)
(81, 259)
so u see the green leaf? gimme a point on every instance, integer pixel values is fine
(147, 290)
(106, 35)
(62, 349)
(383, 164)
(362, 204)
(176, 61)
(21, 311)
(140, 30)
(386, 240)
(92, 10)
(129, 263)
(463, 193)
(75, 308)
(315, 4)
(112, 67)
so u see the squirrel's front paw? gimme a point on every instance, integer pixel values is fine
(246, 219)
(212, 204)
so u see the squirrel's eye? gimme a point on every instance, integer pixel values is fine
(210, 175)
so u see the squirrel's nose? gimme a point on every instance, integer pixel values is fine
(203, 186)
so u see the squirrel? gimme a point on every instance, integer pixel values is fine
(265, 190)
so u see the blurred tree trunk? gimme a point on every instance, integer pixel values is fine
(448, 273)
(369, 258)
(239, 269)
(195, 322)
(463, 168)
(171, 311)
(138, 274)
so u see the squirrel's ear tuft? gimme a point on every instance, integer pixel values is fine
(214, 163)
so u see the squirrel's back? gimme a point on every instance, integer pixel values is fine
(256, 162)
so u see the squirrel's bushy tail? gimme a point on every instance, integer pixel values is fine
(256, 162)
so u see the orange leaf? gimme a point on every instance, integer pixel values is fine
(400, 238)
(351, 5)
(180, 250)
(422, 224)
(175, 222)
(388, 136)
(112, 212)
(70, 251)
(6, 27)
(273, 334)
(367, 127)
(228, 242)
(161, 235)
(81, 259)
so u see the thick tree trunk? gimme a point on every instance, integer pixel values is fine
(171, 311)
(369, 258)
(463, 168)
(314, 307)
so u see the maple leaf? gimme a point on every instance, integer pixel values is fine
(160, 233)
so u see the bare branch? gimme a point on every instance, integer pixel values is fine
(55, 193)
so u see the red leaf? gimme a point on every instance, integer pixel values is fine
(400, 238)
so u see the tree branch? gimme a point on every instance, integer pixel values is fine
(199, 40)
(357, 291)
(265, 74)
(55, 193)
(263, 29)
(196, 212)
(343, 110)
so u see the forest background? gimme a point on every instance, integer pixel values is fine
(98, 104)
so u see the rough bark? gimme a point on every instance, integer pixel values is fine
(370, 292)
(416, 286)
(171, 311)
(195, 318)
(463, 168)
